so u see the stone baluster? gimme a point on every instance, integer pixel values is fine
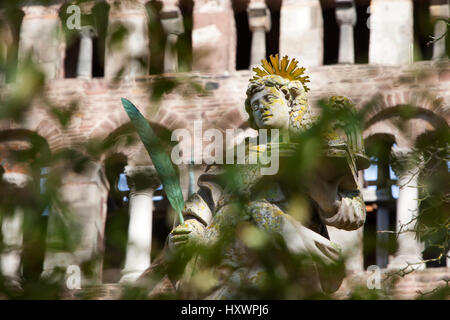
(346, 19)
(409, 253)
(391, 32)
(41, 37)
(82, 227)
(172, 23)
(85, 55)
(301, 31)
(259, 23)
(132, 55)
(439, 10)
(12, 233)
(142, 180)
(213, 36)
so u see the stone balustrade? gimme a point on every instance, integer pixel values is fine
(214, 35)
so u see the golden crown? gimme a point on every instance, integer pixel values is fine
(284, 68)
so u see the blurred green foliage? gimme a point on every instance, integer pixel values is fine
(287, 275)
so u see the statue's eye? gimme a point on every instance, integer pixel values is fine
(269, 98)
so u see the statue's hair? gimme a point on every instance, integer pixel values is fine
(293, 91)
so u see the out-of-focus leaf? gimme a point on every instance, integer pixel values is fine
(161, 160)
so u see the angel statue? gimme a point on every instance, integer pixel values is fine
(236, 205)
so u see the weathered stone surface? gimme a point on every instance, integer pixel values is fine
(213, 37)
(86, 193)
(132, 55)
(41, 37)
(391, 32)
(301, 31)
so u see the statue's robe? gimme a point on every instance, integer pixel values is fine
(212, 208)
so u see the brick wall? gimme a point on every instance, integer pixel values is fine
(420, 284)
(425, 85)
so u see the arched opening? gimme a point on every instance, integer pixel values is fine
(157, 36)
(71, 57)
(99, 16)
(244, 36)
(423, 29)
(184, 45)
(362, 31)
(330, 32)
(162, 222)
(273, 36)
(116, 226)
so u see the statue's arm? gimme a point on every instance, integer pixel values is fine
(300, 240)
(198, 209)
(339, 201)
(197, 216)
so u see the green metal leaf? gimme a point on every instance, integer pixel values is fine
(161, 160)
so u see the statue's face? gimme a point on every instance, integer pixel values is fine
(270, 109)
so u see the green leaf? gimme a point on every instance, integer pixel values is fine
(161, 160)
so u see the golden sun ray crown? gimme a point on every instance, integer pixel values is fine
(284, 68)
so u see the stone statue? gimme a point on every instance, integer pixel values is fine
(276, 99)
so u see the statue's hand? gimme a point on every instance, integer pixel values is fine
(185, 233)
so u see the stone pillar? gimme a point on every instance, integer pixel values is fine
(75, 236)
(213, 36)
(143, 181)
(85, 55)
(346, 19)
(439, 10)
(259, 23)
(172, 23)
(409, 252)
(12, 234)
(301, 31)
(391, 32)
(132, 55)
(41, 37)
